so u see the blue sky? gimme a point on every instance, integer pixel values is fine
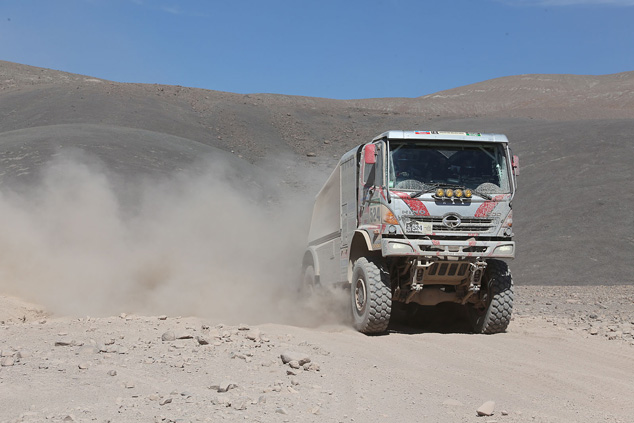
(328, 48)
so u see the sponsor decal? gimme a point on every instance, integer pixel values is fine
(448, 133)
(416, 205)
(487, 207)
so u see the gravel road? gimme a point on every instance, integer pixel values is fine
(568, 356)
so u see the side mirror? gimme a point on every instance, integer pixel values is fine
(370, 154)
(516, 165)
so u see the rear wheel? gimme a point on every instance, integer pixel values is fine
(371, 297)
(493, 312)
(309, 283)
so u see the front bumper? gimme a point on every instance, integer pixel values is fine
(392, 247)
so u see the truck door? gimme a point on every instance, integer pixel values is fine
(369, 178)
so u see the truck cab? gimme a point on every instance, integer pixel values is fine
(419, 217)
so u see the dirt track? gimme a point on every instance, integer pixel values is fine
(551, 366)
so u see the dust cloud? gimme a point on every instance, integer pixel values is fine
(209, 242)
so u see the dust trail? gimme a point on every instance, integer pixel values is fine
(210, 243)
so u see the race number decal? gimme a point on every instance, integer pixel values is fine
(375, 214)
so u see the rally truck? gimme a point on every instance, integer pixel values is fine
(422, 217)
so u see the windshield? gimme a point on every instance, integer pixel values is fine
(424, 165)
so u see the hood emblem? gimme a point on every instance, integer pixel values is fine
(451, 221)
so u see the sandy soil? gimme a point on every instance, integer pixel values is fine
(568, 356)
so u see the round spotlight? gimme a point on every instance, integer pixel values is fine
(440, 192)
(458, 193)
(468, 193)
(449, 193)
(391, 229)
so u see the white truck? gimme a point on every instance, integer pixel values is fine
(418, 217)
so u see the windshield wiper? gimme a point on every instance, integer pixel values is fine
(483, 195)
(428, 188)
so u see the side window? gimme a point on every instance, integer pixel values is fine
(379, 177)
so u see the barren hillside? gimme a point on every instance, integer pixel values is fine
(571, 133)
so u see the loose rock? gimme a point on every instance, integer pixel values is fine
(184, 335)
(23, 354)
(240, 404)
(223, 387)
(289, 356)
(254, 335)
(314, 367)
(486, 409)
(7, 362)
(168, 336)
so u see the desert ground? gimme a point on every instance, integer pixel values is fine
(152, 237)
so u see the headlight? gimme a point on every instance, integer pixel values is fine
(397, 248)
(504, 249)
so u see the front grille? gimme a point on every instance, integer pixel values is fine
(428, 248)
(467, 224)
(474, 249)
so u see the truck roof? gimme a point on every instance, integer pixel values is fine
(442, 135)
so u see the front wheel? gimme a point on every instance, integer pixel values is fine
(371, 297)
(493, 313)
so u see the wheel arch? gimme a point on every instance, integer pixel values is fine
(310, 259)
(360, 246)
